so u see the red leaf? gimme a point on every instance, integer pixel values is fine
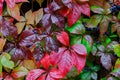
(63, 38)
(34, 74)
(64, 11)
(74, 14)
(45, 61)
(1, 6)
(79, 49)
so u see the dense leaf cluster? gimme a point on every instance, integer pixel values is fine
(59, 39)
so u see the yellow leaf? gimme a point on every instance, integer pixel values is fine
(2, 43)
(29, 64)
(20, 26)
(38, 15)
(39, 2)
(14, 12)
(29, 17)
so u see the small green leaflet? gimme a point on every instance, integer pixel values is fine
(117, 50)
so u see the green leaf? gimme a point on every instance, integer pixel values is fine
(117, 50)
(108, 40)
(96, 68)
(86, 75)
(77, 28)
(86, 44)
(75, 40)
(94, 21)
(97, 9)
(118, 15)
(5, 61)
(104, 78)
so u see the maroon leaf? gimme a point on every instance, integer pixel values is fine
(50, 44)
(17, 54)
(8, 29)
(63, 38)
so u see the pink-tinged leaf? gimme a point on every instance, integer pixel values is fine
(49, 78)
(79, 61)
(74, 14)
(56, 57)
(55, 73)
(79, 49)
(34, 74)
(85, 9)
(63, 38)
(10, 3)
(8, 78)
(45, 61)
(66, 62)
(14, 12)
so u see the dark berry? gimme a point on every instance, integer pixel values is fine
(118, 7)
(114, 9)
(35, 32)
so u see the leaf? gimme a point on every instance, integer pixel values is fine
(116, 73)
(1, 7)
(20, 26)
(79, 49)
(118, 15)
(38, 15)
(17, 54)
(63, 38)
(97, 9)
(87, 41)
(104, 25)
(73, 15)
(117, 50)
(19, 71)
(2, 43)
(29, 16)
(5, 61)
(77, 28)
(94, 21)
(34, 74)
(117, 63)
(106, 61)
(8, 29)
(14, 12)
(45, 61)
(29, 64)
(40, 2)
(66, 62)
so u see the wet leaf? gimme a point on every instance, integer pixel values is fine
(97, 9)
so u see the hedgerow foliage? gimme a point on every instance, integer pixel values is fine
(59, 39)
